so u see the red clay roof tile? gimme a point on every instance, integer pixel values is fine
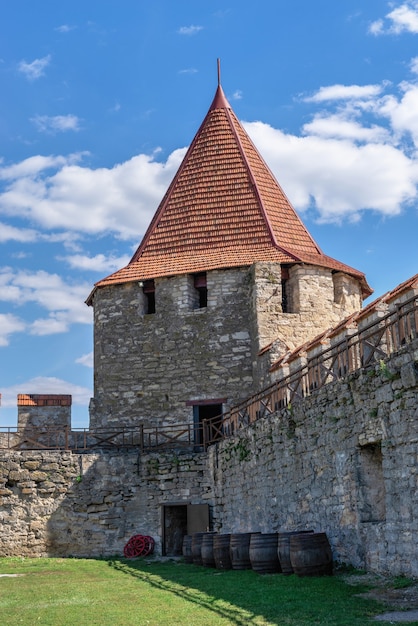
(36, 399)
(224, 208)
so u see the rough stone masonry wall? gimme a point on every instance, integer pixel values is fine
(63, 504)
(317, 299)
(343, 461)
(147, 366)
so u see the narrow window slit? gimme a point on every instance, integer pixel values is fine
(149, 292)
(200, 285)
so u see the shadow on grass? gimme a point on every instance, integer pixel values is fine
(245, 597)
(184, 586)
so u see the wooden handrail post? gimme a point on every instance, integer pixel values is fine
(205, 433)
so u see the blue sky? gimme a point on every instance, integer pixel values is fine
(101, 98)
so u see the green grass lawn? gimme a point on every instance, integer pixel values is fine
(119, 592)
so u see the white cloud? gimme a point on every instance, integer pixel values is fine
(54, 324)
(86, 360)
(55, 192)
(189, 30)
(402, 113)
(70, 240)
(376, 28)
(64, 302)
(344, 92)
(359, 153)
(9, 324)
(237, 95)
(403, 18)
(65, 28)
(98, 263)
(43, 384)
(20, 255)
(414, 65)
(189, 70)
(37, 165)
(28, 235)
(338, 177)
(34, 70)
(338, 126)
(11, 233)
(57, 123)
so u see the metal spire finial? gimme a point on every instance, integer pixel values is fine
(219, 72)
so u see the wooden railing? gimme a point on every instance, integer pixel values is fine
(64, 438)
(370, 344)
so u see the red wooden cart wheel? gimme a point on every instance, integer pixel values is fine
(139, 545)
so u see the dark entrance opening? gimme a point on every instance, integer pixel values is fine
(179, 520)
(174, 529)
(211, 412)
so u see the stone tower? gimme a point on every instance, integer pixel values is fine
(225, 268)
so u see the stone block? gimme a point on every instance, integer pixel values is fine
(409, 375)
(384, 394)
(31, 465)
(39, 476)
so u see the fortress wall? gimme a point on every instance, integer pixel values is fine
(63, 504)
(343, 461)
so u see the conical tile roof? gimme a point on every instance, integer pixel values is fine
(224, 208)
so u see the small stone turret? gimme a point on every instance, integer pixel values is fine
(43, 410)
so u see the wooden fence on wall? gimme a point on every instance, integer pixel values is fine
(365, 346)
(369, 344)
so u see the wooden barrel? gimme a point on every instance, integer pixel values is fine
(221, 551)
(197, 539)
(283, 549)
(239, 548)
(310, 554)
(187, 549)
(208, 559)
(263, 553)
